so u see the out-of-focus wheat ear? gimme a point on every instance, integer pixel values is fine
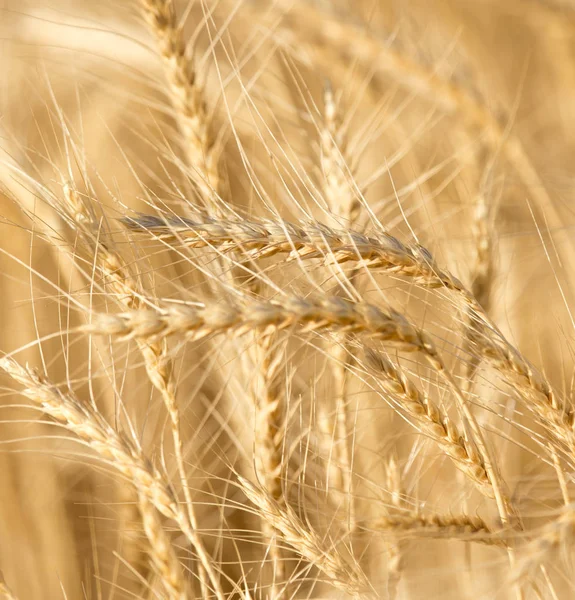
(188, 97)
(161, 552)
(5, 591)
(267, 394)
(482, 274)
(395, 547)
(84, 421)
(559, 532)
(343, 574)
(430, 419)
(319, 29)
(341, 198)
(554, 27)
(156, 354)
(134, 548)
(337, 166)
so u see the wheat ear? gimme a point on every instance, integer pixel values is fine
(161, 551)
(436, 526)
(482, 273)
(157, 360)
(432, 421)
(91, 427)
(305, 541)
(187, 95)
(266, 238)
(270, 438)
(306, 314)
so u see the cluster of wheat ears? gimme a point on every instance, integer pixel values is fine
(286, 291)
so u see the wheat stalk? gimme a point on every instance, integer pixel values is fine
(341, 198)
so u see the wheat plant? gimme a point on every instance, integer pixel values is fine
(287, 299)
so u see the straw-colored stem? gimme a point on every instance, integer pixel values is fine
(341, 198)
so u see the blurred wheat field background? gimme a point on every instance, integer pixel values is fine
(287, 294)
